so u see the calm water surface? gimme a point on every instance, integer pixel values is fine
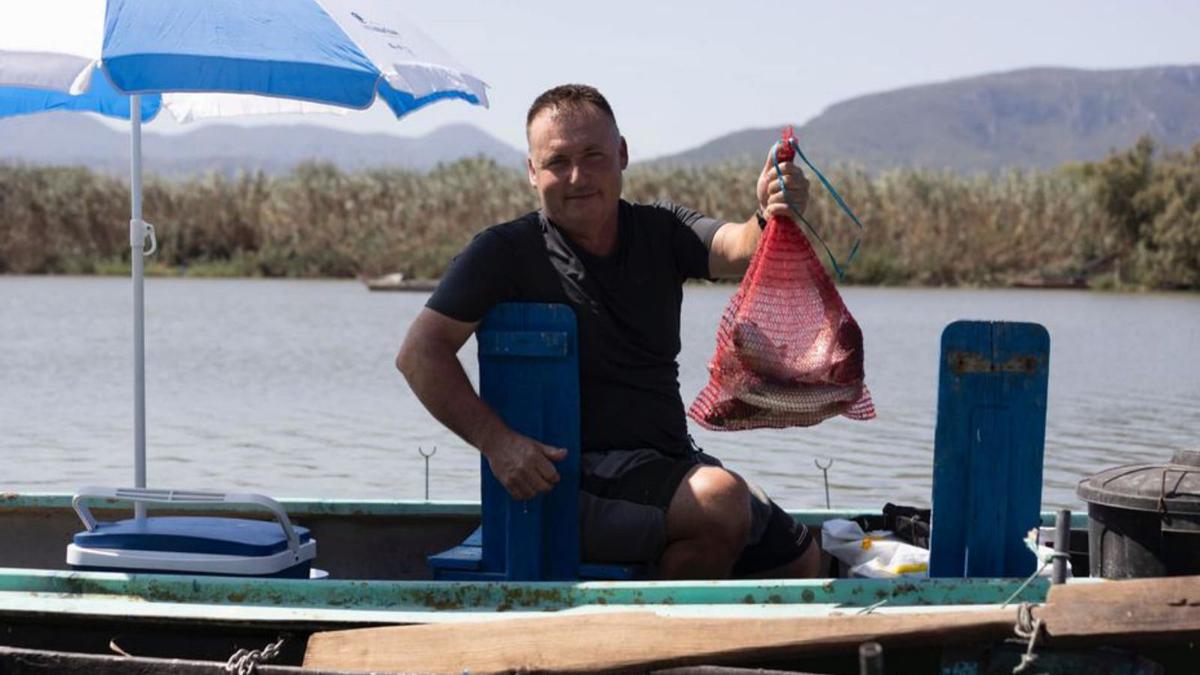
(288, 388)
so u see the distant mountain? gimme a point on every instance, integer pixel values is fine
(73, 138)
(1033, 118)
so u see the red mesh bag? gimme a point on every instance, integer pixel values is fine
(788, 352)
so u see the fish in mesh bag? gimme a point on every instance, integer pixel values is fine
(788, 351)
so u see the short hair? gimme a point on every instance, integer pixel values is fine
(569, 95)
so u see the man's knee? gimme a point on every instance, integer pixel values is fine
(806, 566)
(711, 503)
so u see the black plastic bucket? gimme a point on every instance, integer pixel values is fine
(1144, 519)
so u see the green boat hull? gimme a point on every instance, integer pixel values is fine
(375, 554)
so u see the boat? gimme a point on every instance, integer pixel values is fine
(376, 605)
(1074, 282)
(373, 557)
(397, 282)
(1067, 281)
(375, 551)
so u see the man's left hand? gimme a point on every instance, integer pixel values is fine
(772, 198)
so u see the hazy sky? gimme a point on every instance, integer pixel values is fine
(681, 73)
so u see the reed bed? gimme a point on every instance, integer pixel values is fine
(1130, 220)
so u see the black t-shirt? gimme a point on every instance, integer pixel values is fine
(627, 305)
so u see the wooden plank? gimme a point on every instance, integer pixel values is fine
(1129, 621)
(517, 343)
(18, 660)
(536, 393)
(1021, 353)
(1184, 590)
(1166, 608)
(988, 446)
(963, 344)
(642, 640)
(988, 505)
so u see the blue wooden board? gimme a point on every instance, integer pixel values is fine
(988, 448)
(528, 374)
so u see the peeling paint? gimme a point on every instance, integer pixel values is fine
(962, 362)
(359, 595)
(484, 596)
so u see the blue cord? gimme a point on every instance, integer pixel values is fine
(837, 197)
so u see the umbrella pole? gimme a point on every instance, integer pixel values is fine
(137, 242)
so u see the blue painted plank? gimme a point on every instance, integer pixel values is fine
(466, 556)
(988, 498)
(988, 448)
(461, 557)
(523, 343)
(948, 543)
(610, 572)
(1023, 350)
(529, 374)
(474, 539)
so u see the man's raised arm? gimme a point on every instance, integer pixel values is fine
(429, 362)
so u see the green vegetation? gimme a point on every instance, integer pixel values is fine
(1130, 220)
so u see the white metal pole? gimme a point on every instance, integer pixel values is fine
(137, 242)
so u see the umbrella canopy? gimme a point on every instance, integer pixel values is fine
(214, 58)
(316, 55)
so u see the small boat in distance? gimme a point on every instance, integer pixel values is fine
(397, 282)
(1050, 281)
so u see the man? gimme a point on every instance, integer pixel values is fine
(647, 495)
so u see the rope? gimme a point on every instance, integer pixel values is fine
(1020, 588)
(871, 608)
(1027, 628)
(245, 661)
(832, 191)
(1049, 559)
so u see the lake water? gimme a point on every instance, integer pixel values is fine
(288, 388)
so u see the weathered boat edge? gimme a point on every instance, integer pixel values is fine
(358, 599)
(300, 506)
(24, 501)
(33, 590)
(205, 617)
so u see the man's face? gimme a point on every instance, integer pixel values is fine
(576, 156)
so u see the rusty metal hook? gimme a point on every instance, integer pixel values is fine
(825, 473)
(431, 453)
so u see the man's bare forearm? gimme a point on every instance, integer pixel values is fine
(428, 361)
(747, 237)
(732, 248)
(439, 381)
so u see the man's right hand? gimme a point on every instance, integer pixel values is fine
(523, 466)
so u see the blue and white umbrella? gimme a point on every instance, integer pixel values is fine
(214, 58)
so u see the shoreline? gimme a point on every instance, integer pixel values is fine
(201, 272)
(1078, 225)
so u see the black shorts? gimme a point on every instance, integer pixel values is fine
(623, 505)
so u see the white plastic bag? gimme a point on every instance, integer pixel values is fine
(1041, 542)
(877, 554)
